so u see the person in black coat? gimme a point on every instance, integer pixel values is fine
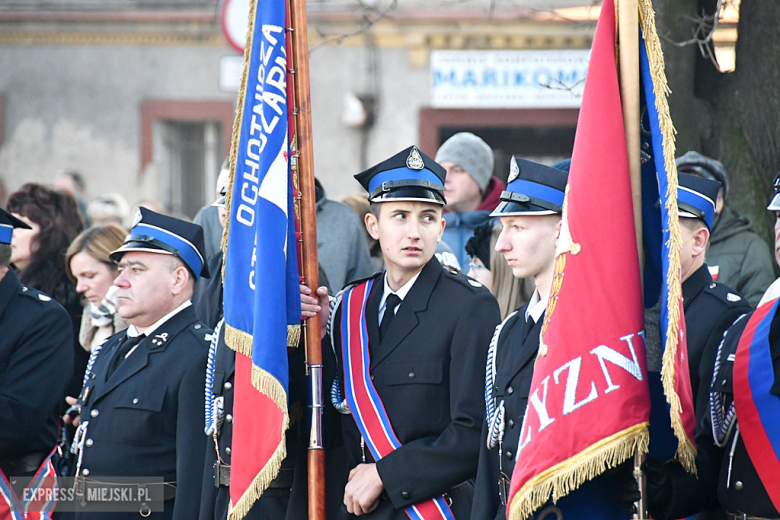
(530, 213)
(726, 470)
(142, 400)
(36, 360)
(710, 307)
(428, 331)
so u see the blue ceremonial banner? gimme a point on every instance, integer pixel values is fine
(261, 291)
(672, 420)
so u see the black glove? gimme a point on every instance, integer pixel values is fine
(626, 487)
(658, 487)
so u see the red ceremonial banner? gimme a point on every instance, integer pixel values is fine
(589, 403)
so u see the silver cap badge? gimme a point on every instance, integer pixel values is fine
(514, 170)
(137, 217)
(415, 160)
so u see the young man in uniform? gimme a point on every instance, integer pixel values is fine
(737, 467)
(142, 400)
(410, 344)
(710, 307)
(530, 213)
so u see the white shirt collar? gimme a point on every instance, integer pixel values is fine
(536, 306)
(132, 331)
(401, 293)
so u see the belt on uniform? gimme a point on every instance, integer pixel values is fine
(284, 480)
(743, 516)
(26, 464)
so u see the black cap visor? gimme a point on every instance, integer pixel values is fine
(408, 193)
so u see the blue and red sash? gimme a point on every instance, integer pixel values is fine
(364, 402)
(39, 499)
(758, 411)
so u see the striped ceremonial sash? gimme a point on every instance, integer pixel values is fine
(758, 411)
(31, 507)
(364, 402)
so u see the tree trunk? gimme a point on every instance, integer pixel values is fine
(733, 117)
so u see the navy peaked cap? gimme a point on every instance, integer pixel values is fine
(774, 205)
(532, 189)
(156, 233)
(408, 175)
(696, 197)
(7, 224)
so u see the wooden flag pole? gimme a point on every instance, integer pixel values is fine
(628, 36)
(305, 163)
(628, 31)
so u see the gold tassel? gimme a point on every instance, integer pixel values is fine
(563, 478)
(238, 340)
(293, 336)
(686, 451)
(269, 386)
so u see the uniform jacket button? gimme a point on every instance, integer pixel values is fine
(511, 423)
(739, 486)
(510, 391)
(197, 327)
(89, 443)
(227, 451)
(85, 472)
(229, 418)
(509, 455)
(411, 375)
(94, 412)
(135, 401)
(405, 495)
(228, 385)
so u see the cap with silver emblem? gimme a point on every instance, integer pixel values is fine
(156, 233)
(532, 189)
(408, 175)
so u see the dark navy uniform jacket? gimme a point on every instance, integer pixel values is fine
(710, 308)
(743, 491)
(36, 364)
(147, 418)
(514, 370)
(429, 373)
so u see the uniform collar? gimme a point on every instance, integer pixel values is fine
(696, 283)
(536, 306)
(401, 293)
(132, 331)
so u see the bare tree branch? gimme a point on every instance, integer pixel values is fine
(706, 25)
(369, 23)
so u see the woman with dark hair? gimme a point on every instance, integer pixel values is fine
(38, 254)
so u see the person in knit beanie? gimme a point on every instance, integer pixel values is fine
(471, 190)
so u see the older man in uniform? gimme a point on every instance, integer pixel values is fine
(142, 399)
(36, 361)
(530, 213)
(410, 343)
(710, 307)
(737, 460)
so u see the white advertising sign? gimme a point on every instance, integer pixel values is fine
(508, 79)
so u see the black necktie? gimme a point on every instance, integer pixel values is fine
(390, 304)
(122, 350)
(529, 325)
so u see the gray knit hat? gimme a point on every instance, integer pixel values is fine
(703, 166)
(470, 153)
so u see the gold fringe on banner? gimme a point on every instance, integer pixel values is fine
(293, 335)
(238, 340)
(563, 478)
(686, 451)
(269, 386)
(237, 122)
